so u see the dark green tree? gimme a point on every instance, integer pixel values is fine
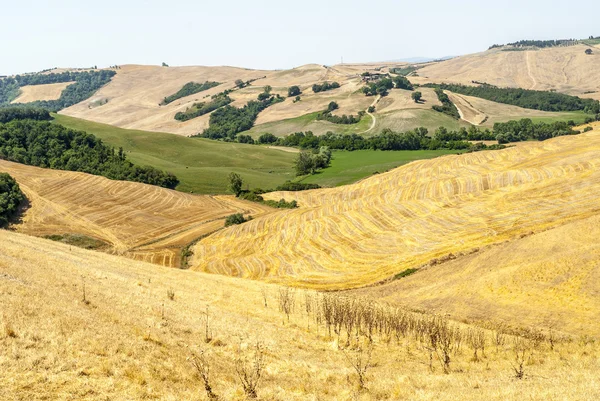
(294, 91)
(235, 183)
(416, 96)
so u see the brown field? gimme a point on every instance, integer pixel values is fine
(83, 325)
(361, 234)
(566, 69)
(139, 221)
(32, 93)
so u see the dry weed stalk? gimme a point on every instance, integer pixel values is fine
(361, 362)
(202, 365)
(286, 301)
(522, 349)
(250, 373)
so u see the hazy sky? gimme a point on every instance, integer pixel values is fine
(39, 34)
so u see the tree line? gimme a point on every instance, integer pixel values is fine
(228, 121)
(344, 119)
(526, 98)
(539, 43)
(24, 113)
(48, 145)
(11, 198)
(442, 138)
(447, 106)
(189, 89)
(325, 86)
(86, 84)
(199, 109)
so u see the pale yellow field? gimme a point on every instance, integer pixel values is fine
(566, 69)
(140, 221)
(479, 111)
(83, 325)
(31, 93)
(367, 232)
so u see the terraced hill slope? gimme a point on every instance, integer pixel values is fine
(139, 221)
(367, 232)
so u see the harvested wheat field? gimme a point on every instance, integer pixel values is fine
(566, 69)
(79, 324)
(483, 112)
(32, 93)
(367, 232)
(140, 221)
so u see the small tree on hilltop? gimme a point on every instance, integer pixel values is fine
(588, 51)
(416, 96)
(235, 183)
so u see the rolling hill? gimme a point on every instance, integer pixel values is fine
(565, 69)
(139, 221)
(82, 324)
(367, 232)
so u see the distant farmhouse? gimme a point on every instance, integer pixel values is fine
(373, 77)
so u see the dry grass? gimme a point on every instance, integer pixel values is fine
(32, 93)
(140, 221)
(131, 343)
(361, 234)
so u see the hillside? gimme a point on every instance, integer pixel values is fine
(565, 69)
(132, 99)
(139, 221)
(367, 232)
(81, 324)
(201, 165)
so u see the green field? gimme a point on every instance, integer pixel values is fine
(202, 165)
(348, 167)
(577, 116)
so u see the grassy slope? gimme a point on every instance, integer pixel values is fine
(348, 167)
(201, 165)
(404, 120)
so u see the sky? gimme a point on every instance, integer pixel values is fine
(270, 34)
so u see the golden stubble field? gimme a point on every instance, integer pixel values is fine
(140, 221)
(84, 325)
(31, 93)
(428, 212)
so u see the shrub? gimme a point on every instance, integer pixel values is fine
(296, 186)
(237, 218)
(325, 86)
(267, 138)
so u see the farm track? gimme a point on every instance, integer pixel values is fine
(139, 221)
(361, 234)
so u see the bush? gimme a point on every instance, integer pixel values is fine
(237, 218)
(296, 186)
(294, 91)
(11, 198)
(267, 138)
(380, 87)
(588, 129)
